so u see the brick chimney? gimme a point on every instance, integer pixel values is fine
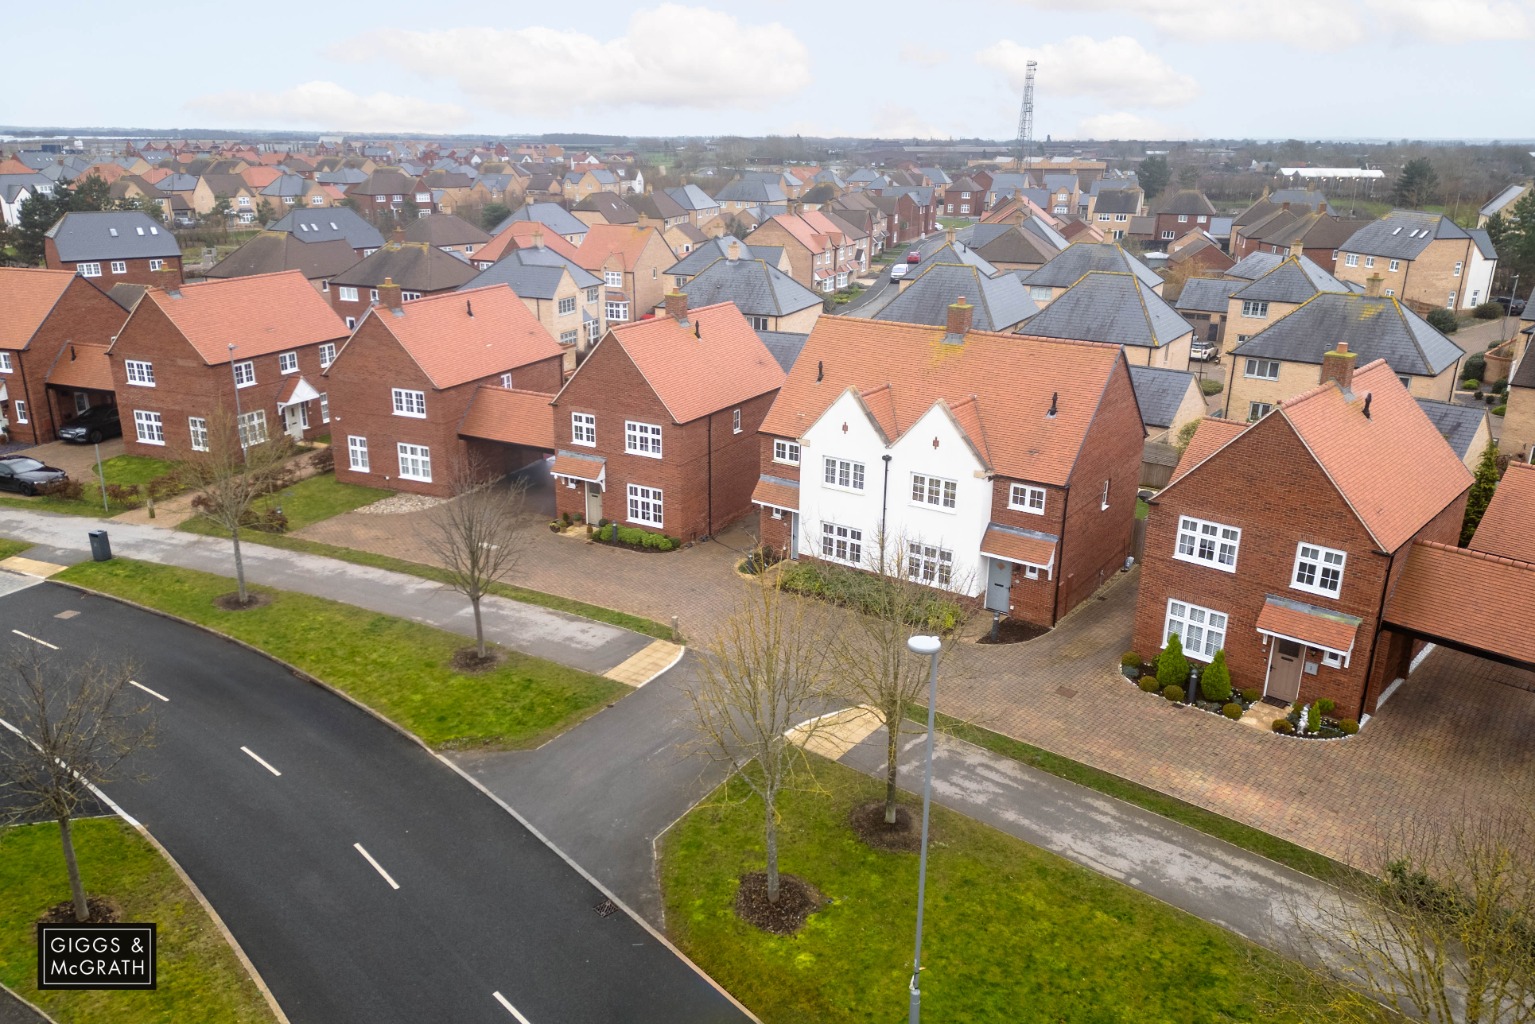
(948, 235)
(1338, 365)
(733, 251)
(677, 306)
(538, 238)
(397, 237)
(389, 294)
(959, 316)
(1372, 285)
(1284, 206)
(1297, 247)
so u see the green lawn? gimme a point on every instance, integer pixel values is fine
(10, 547)
(305, 503)
(400, 669)
(1012, 933)
(1142, 510)
(1208, 822)
(120, 469)
(198, 975)
(956, 222)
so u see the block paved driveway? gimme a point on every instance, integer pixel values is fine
(1455, 737)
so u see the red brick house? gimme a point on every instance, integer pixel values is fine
(1178, 213)
(1281, 542)
(404, 384)
(658, 426)
(46, 318)
(108, 248)
(1005, 465)
(630, 260)
(252, 346)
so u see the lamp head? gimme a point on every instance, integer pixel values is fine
(924, 645)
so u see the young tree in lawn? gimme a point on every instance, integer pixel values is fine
(479, 536)
(75, 725)
(762, 676)
(242, 465)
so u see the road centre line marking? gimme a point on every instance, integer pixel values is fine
(35, 640)
(369, 858)
(510, 1008)
(135, 682)
(259, 760)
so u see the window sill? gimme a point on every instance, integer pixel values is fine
(411, 415)
(1028, 511)
(645, 522)
(143, 440)
(1317, 591)
(930, 507)
(643, 455)
(784, 462)
(131, 383)
(845, 490)
(1208, 565)
(417, 479)
(583, 444)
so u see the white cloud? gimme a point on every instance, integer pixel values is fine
(1308, 24)
(1118, 71)
(328, 105)
(1124, 125)
(1457, 21)
(922, 56)
(669, 56)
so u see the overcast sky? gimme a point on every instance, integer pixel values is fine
(1107, 68)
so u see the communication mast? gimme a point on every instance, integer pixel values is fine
(1026, 120)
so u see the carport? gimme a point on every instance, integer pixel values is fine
(511, 433)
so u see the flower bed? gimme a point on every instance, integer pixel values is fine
(1311, 722)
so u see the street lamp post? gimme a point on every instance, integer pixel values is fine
(929, 647)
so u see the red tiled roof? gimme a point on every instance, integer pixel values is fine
(1210, 436)
(1018, 546)
(1392, 467)
(776, 492)
(628, 241)
(1465, 597)
(452, 347)
(510, 416)
(519, 234)
(1009, 377)
(723, 365)
(579, 467)
(1302, 623)
(27, 296)
(81, 365)
(1508, 526)
(259, 315)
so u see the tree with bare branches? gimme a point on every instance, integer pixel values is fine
(478, 537)
(761, 677)
(239, 465)
(1446, 933)
(74, 727)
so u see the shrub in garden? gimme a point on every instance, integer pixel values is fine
(606, 533)
(1252, 695)
(1500, 410)
(1173, 693)
(1475, 366)
(67, 490)
(1348, 726)
(1488, 311)
(1313, 718)
(1149, 684)
(323, 461)
(1326, 707)
(1443, 321)
(1172, 666)
(1498, 387)
(1470, 384)
(1215, 682)
(1283, 726)
(1210, 386)
(1232, 711)
(1130, 659)
(124, 495)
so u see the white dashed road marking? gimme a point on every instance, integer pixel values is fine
(369, 858)
(510, 1008)
(262, 762)
(134, 682)
(35, 640)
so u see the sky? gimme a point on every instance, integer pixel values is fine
(1312, 69)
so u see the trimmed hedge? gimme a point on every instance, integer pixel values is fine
(636, 538)
(865, 592)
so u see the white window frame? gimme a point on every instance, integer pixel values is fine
(759, 323)
(252, 427)
(351, 323)
(119, 266)
(19, 407)
(593, 293)
(1257, 410)
(841, 544)
(934, 491)
(409, 296)
(287, 362)
(148, 427)
(5, 362)
(1204, 542)
(1369, 261)
(506, 381)
(415, 462)
(613, 278)
(1351, 259)
(1396, 265)
(735, 421)
(646, 505)
(197, 430)
(843, 474)
(88, 269)
(642, 439)
(325, 407)
(1194, 618)
(1450, 302)
(357, 453)
(327, 354)
(1255, 308)
(930, 565)
(408, 403)
(1026, 498)
(785, 452)
(567, 306)
(141, 373)
(245, 373)
(1459, 265)
(347, 293)
(618, 311)
(583, 429)
(593, 330)
(1320, 561)
(1254, 367)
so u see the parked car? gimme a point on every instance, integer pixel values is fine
(92, 425)
(1511, 306)
(1202, 351)
(899, 270)
(26, 475)
(914, 256)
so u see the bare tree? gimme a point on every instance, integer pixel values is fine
(75, 726)
(479, 536)
(1447, 932)
(240, 465)
(762, 676)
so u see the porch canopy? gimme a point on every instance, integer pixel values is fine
(1027, 547)
(777, 492)
(574, 466)
(295, 392)
(1467, 600)
(1308, 625)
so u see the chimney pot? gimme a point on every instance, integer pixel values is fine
(397, 237)
(1338, 365)
(960, 316)
(389, 294)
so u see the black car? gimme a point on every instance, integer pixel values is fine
(19, 473)
(92, 425)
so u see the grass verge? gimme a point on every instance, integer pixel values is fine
(1008, 927)
(10, 547)
(305, 503)
(124, 470)
(1211, 824)
(199, 977)
(400, 669)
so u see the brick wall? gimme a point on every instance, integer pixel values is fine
(1031, 600)
(801, 266)
(1518, 435)
(83, 314)
(1428, 279)
(135, 271)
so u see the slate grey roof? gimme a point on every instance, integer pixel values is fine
(332, 222)
(341, 177)
(1185, 201)
(413, 266)
(1254, 265)
(1085, 257)
(1118, 200)
(1114, 307)
(1483, 242)
(12, 184)
(719, 248)
(1375, 328)
(1000, 303)
(691, 197)
(177, 183)
(533, 273)
(937, 250)
(1524, 374)
(750, 192)
(1402, 234)
(1007, 243)
(784, 346)
(1457, 424)
(1159, 393)
(1294, 280)
(657, 205)
(444, 229)
(1038, 228)
(1502, 199)
(273, 251)
(128, 234)
(550, 215)
(287, 185)
(1220, 227)
(936, 175)
(1206, 294)
(755, 286)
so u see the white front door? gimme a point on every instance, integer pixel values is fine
(295, 420)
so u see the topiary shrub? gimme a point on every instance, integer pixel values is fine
(1172, 666)
(1215, 682)
(1443, 321)
(1130, 659)
(1500, 386)
(1500, 410)
(1313, 718)
(1149, 684)
(1210, 386)
(1252, 695)
(1173, 693)
(1471, 384)
(1283, 726)
(1326, 706)
(1476, 365)
(1348, 727)
(1232, 711)
(1488, 311)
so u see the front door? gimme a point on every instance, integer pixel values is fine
(593, 503)
(295, 419)
(999, 583)
(793, 534)
(1286, 662)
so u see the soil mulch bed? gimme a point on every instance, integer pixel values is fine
(467, 660)
(797, 900)
(232, 603)
(104, 910)
(1011, 631)
(868, 822)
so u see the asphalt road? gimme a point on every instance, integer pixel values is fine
(298, 815)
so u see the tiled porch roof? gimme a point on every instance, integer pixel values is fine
(1307, 624)
(1029, 547)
